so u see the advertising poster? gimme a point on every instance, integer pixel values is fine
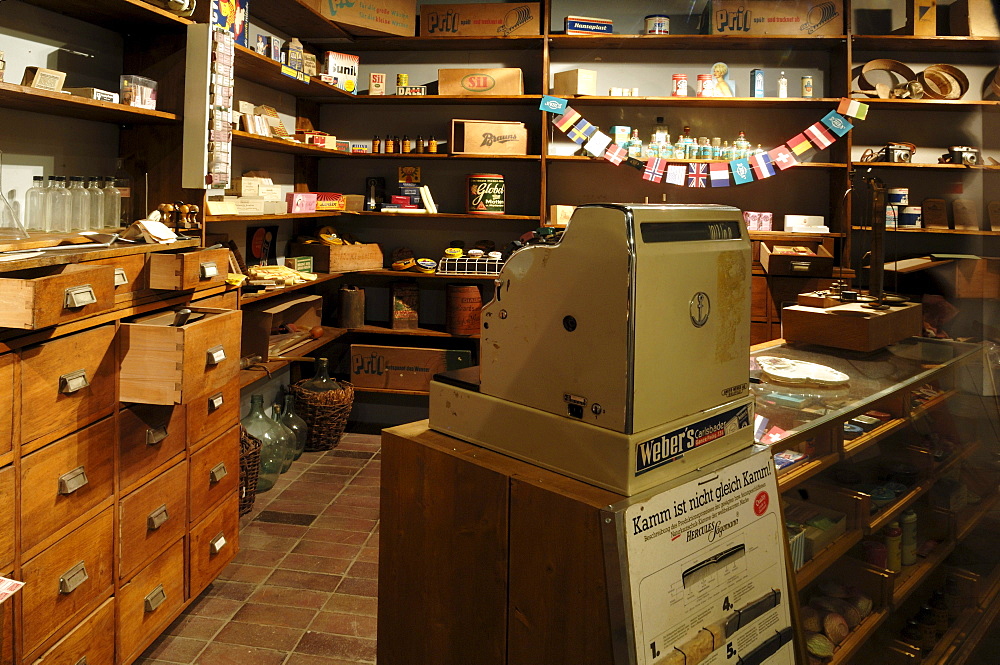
(706, 571)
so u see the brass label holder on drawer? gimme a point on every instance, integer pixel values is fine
(216, 355)
(208, 270)
(154, 598)
(156, 518)
(73, 480)
(218, 472)
(73, 578)
(72, 381)
(215, 402)
(121, 279)
(156, 434)
(801, 266)
(216, 544)
(79, 296)
(82, 661)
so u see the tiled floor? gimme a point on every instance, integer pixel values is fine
(303, 589)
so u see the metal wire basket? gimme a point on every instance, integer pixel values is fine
(468, 265)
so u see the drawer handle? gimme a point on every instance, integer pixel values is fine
(121, 279)
(82, 661)
(218, 472)
(216, 355)
(208, 270)
(157, 518)
(216, 544)
(73, 480)
(73, 578)
(78, 296)
(70, 382)
(156, 434)
(215, 402)
(155, 598)
(800, 266)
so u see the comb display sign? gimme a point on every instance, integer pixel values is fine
(702, 569)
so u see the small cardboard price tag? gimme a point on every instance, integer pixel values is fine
(8, 588)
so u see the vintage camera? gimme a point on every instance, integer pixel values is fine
(962, 154)
(898, 152)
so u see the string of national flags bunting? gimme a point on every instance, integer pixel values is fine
(821, 134)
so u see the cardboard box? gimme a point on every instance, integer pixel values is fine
(341, 258)
(300, 263)
(822, 525)
(94, 93)
(575, 82)
(974, 18)
(259, 319)
(820, 265)
(301, 201)
(488, 137)
(43, 79)
(587, 25)
(355, 202)
(330, 201)
(489, 19)
(921, 17)
(402, 368)
(559, 215)
(385, 17)
(764, 17)
(341, 71)
(499, 81)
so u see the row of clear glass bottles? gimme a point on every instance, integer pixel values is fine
(75, 204)
(687, 147)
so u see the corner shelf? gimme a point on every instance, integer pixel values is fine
(247, 140)
(699, 42)
(912, 43)
(399, 274)
(23, 98)
(118, 15)
(270, 218)
(932, 230)
(263, 70)
(246, 298)
(707, 102)
(265, 370)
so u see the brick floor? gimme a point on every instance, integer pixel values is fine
(303, 588)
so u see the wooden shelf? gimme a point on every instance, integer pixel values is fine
(265, 370)
(926, 104)
(512, 42)
(854, 446)
(857, 638)
(970, 232)
(270, 218)
(827, 556)
(23, 98)
(260, 69)
(441, 215)
(295, 18)
(384, 329)
(792, 475)
(910, 165)
(883, 517)
(911, 577)
(601, 160)
(967, 518)
(248, 140)
(911, 43)
(391, 391)
(707, 102)
(475, 100)
(693, 42)
(442, 155)
(246, 298)
(399, 274)
(117, 15)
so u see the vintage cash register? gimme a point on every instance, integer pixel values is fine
(620, 355)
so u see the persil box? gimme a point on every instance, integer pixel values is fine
(584, 25)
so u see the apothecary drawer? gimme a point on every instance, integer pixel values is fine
(213, 543)
(66, 384)
(149, 436)
(196, 269)
(66, 580)
(42, 297)
(90, 640)
(64, 480)
(7, 517)
(162, 363)
(152, 517)
(131, 276)
(227, 300)
(150, 600)
(215, 471)
(211, 413)
(6, 401)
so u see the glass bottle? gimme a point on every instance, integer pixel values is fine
(287, 438)
(376, 145)
(420, 145)
(407, 147)
(661, 132)
(782, 85)
(112, 203)
(432, 144)
(727, 151)
(299, 428)
(124, 184)
(96, 203)
(635, 145)
(893, 543)
(34, 205)
(79, 203)
(652, 147)
(390, 147)
(57, 206)
(322, 382)
(272, 455)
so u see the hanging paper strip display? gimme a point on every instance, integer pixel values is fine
(821, 135)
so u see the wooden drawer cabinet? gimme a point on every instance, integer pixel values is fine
(6, 402)
(758, 298)
(152, 517)
(148, 602)
(43, 297)
(6, 517)
(131, 276)
(66, 384)
(7, 628)
(149, 436)
(165, 364)
(196, 269)
(211, 413)
(215, 471)
(91, 639)
(227, 300)
(64, 480)
(212, 544)
(67, 580)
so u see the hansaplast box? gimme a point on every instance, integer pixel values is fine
(488, 137)
(498, 81)
(402, 368)
(488, 19)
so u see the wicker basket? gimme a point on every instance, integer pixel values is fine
(249, 470)
(325, 413)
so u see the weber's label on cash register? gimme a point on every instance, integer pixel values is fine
(670, 446)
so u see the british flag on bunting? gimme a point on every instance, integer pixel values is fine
(654, 169)
(782, 157)
(615, 154)
(581, 131)
(565, 121)
(697, 175)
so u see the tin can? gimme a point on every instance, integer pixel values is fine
(706, 86)
(756, 82)
(657, 24)
(485, 194)
(807, 86)
(462, 309)
(680, 85)
(402, 80)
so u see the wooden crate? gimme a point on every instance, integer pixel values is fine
(341, 258)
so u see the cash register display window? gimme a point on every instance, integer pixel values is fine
(688, 231)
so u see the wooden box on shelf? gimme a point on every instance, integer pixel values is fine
(402, 368)
(341, 258)
(488, 137)
(259, 319)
